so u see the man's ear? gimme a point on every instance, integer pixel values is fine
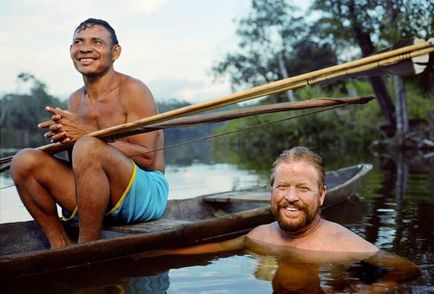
(117, 49)
(322, 194)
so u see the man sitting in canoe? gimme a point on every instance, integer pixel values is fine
(121, 181)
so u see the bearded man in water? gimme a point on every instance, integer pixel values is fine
(298, 189)
(300, 237)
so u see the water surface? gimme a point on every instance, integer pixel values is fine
(394, 210)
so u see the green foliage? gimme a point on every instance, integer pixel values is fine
(348, 129)
(369, 26)
(20, 114)
(340, 31)
(418, 102)
(417, 99)
(188, 153)
(346, 22)
(178, 135)
(167, 105)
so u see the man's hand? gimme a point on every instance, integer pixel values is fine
(64, 126)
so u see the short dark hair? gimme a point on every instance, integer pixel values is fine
(300, 153)
(93, 21)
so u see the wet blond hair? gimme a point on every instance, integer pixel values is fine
(300, 153)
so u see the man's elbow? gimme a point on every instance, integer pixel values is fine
(144, 161)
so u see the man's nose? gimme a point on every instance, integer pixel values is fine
(291, 194)
(85, 47)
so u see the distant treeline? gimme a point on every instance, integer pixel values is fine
(20, 114)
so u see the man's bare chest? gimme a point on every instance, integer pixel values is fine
(102, 114)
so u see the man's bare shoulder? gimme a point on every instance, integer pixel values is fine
(129, 84)
(261, 233)
(344, 240)
(136, 96)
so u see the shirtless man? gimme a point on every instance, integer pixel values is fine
(299, 236)
(118, 181)
(298, 190)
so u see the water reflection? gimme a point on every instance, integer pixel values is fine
(158, 283)
(293, 277)
(153, 284)
(236, 272)
(400, 204)
(303, 271)
(296, 278)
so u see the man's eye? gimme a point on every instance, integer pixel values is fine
(282, 187)
(303, 189)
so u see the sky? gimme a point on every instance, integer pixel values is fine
(171, 45)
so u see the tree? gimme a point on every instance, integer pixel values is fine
(273, 44)
(369, 22)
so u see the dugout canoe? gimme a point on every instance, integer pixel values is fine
(24, 248)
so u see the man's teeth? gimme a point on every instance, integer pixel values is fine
(291, 209)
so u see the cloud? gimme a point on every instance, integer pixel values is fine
(160, 39)
(193, 91)
(148, 6)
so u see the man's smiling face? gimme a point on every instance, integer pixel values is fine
(92, 51)
(296, 195)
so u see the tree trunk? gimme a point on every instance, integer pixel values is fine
(402, 125)
(384, 99)
(284, 73)
(365, 43)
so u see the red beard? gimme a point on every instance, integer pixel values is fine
(295, 224)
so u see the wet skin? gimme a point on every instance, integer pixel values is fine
(296, 198)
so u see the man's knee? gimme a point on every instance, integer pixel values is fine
(87, 149)
(26, 161)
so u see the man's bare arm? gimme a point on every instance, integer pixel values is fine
(140, 104)
(399, 270)
(228, 245)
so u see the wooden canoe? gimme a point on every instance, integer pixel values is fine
(24, 248)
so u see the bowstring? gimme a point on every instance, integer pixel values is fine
(249, 128)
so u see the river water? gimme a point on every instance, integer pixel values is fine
(394, 209)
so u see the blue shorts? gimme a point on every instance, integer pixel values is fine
(144, 199)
